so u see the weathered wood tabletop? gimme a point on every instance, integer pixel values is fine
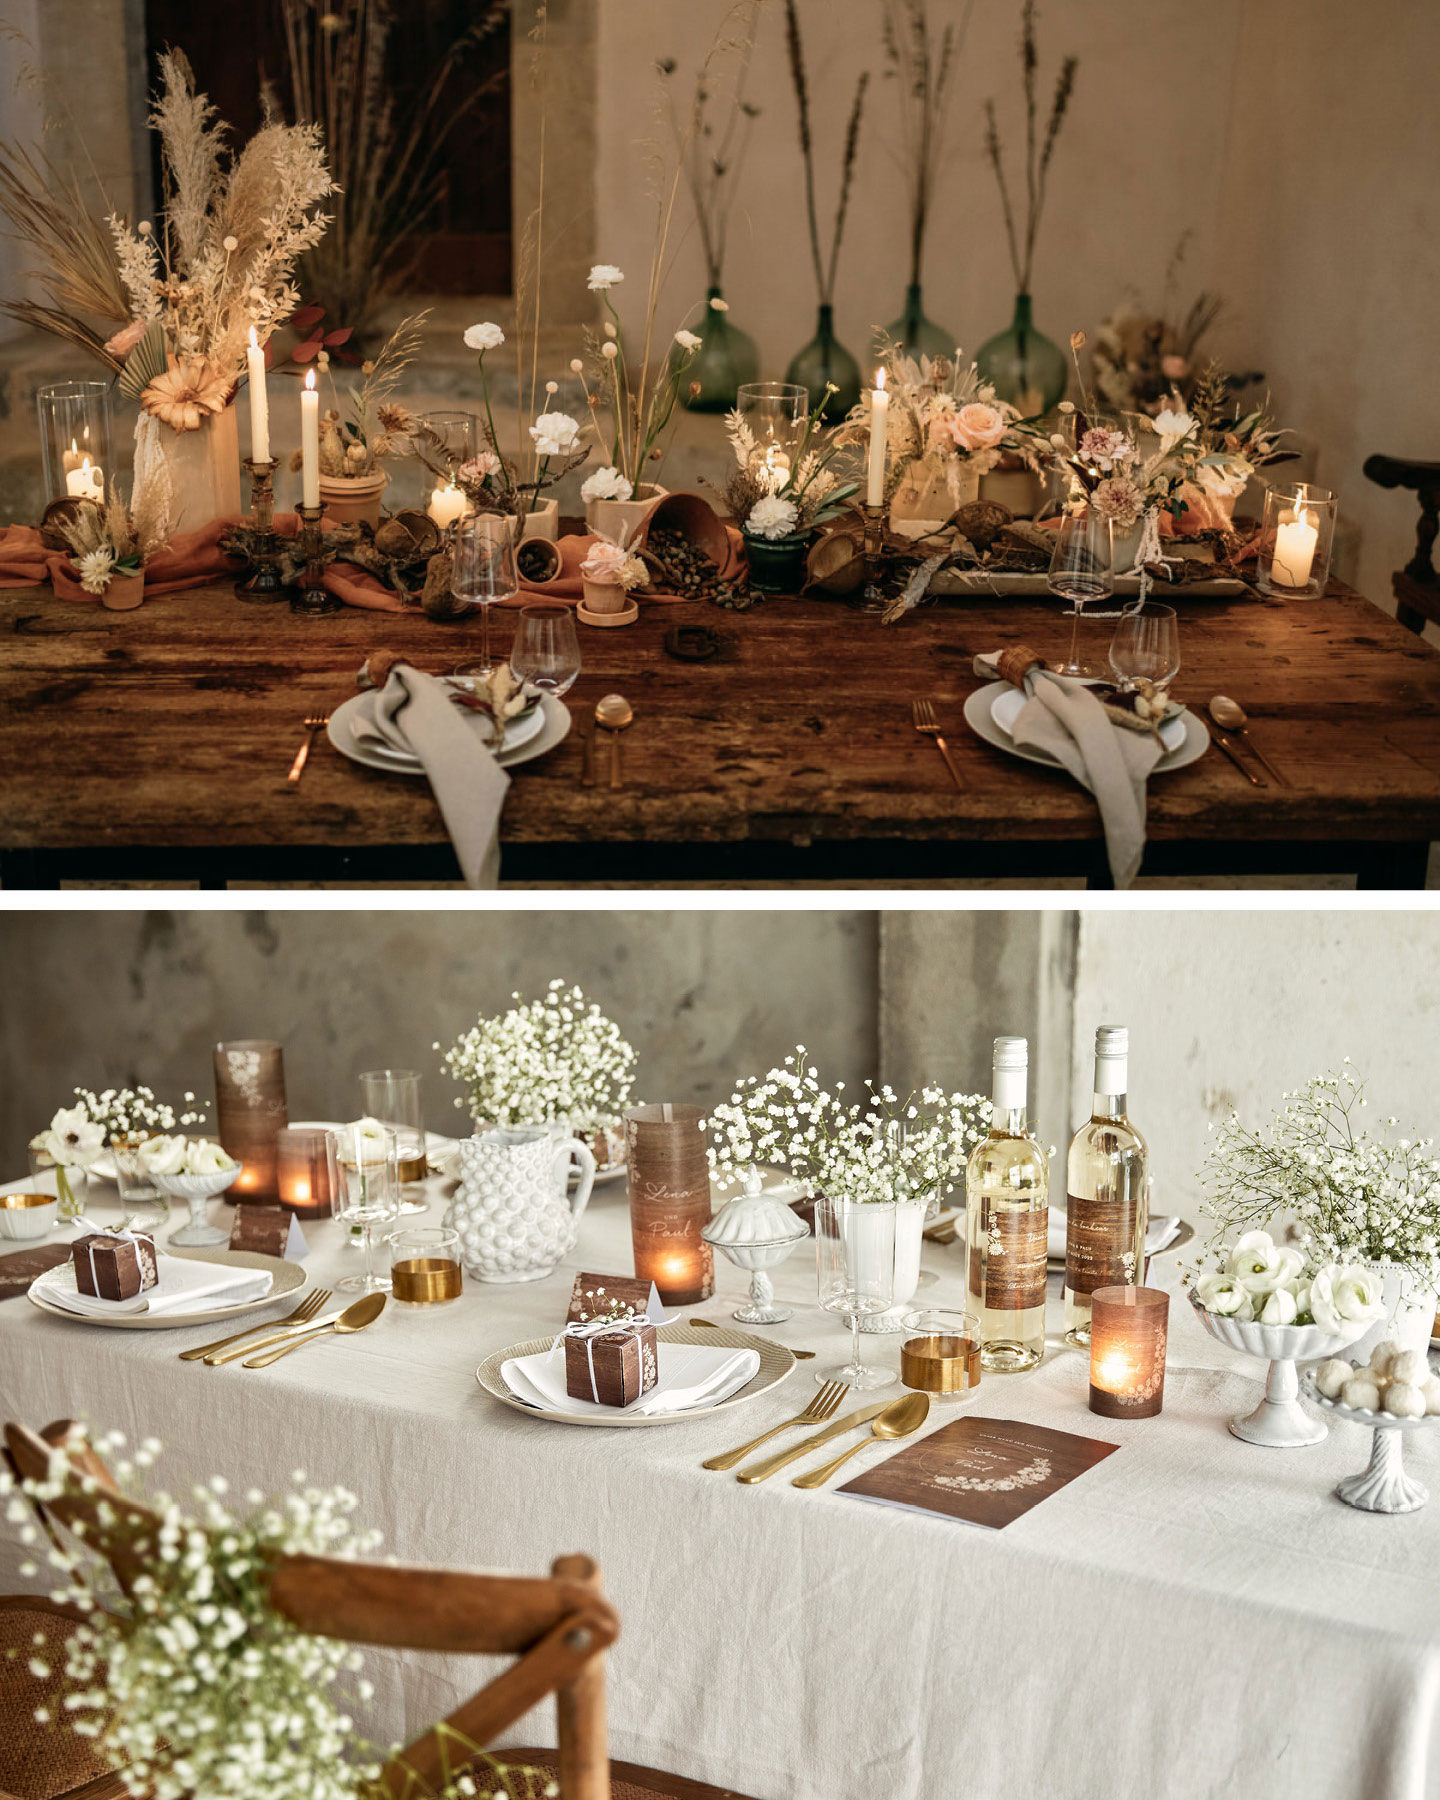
(155, 744)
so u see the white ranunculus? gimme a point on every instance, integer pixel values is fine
(163, 1155)
(1279, 1307)
(368, 1140)
(1174, 423)
(207, 1158)
(603, 277)
(555, 434)
(484, 337)
(74, 1139)
(687, 340)
(1342, 1296)
(772, 517)
(606, 484)
(1226, 1295)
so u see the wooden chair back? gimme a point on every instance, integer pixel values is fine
(557, 1627)
(1417, 586)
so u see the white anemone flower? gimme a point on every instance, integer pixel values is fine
(486, 336)
(604, 276)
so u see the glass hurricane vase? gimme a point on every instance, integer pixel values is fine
(1022, 364)
(825, 359)
(727, 358)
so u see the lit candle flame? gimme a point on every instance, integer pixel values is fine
(310, 380)
(880, 380)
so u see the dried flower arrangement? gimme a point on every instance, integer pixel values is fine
(612, 562)
(1038, 154)
(116, 540)
(773, 501)
(824, 266)
(1230, 443)
(922, 67)
(372, 427)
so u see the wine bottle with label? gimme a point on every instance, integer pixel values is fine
(1106, 1180)
(1007, 1217)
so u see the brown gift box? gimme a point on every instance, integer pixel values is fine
(112, 1267)
(613, 1366)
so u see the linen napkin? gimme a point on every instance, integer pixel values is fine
(1065, 719)
(185, 1285)
(689, 1377)
(414, 712)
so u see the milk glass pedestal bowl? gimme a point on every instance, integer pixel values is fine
(757, 1232)
(1383, 1486)
(1279, 1422)
(197, 1190)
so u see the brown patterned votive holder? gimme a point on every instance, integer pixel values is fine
(425, 1266)
(250, 1112)
(1128, 1328)
(941, 1355)
(670, 1201)
(306, 1175)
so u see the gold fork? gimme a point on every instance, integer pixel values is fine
(277, 1334)
(824, 1406)
(923, 713)
(307, 1309)
(302, 755)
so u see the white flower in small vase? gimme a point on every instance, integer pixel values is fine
(606, 484)
(772, 517)
(74, 1139)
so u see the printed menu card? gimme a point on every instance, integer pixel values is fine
(984, 1471)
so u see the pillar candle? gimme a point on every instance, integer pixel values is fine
(259, 402)
(879, 419)
(309, 442)
(1295, 542)
(447, 504)
(87, 482)
(305, 1167)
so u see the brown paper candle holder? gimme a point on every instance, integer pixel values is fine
(305, 1171)
(1128, 1329)
(250, 1112)
(670, 1201)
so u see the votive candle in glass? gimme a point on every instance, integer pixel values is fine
(305, 1170)
(250, 1112)
(1297, 533)
(75, 453)
(1128, 1327)
(670, 1201)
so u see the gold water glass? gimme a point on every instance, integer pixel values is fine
(425, 1265)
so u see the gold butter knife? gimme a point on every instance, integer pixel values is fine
(759, 1471)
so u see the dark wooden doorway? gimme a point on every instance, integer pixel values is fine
(465, 247)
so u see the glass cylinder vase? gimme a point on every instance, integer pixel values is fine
(1297, 534)
(727, 357)
(250, 1112)
(825, 359)
(1022, 364)
(75, 439)
(670, 1201)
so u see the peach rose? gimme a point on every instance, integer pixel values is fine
(977, 426)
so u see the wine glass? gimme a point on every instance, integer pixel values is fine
(393, 1097)
(855, 1274)
(1081, 569)
(483, 569)
(1146, 647)
(546, 651)
(368, 1194)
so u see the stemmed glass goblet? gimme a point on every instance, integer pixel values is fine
(855, 1275)
(1081, 568)
(483, 570)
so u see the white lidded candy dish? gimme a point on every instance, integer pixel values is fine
(1279, 1422)
(757, 1232)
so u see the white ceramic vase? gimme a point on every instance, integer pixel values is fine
(1409, 1312)
(510, 1209)
(619, 520)
(204, 471)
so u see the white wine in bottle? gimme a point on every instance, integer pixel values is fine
(1106, 1180)
(1007, 1216)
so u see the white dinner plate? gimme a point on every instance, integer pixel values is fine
(979, 716)
(518, 732)
(289, 1280)
(1008, 706)
(776, 1362)
(548, 726)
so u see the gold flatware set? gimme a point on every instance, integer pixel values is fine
(262, 1345)
(887, 1419)
(313, 723)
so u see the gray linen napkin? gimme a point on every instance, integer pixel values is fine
(1064, 718)
(414, 712)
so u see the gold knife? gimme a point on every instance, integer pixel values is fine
(1249, 774)
(216, 1357)
(758, 1471)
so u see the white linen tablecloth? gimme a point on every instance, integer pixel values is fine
(1192, 1617)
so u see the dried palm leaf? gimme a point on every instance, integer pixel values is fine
(145, 363)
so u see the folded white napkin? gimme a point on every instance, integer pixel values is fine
(1159, 1233)
(414, 712)
(184, 1286)
(689, 1377)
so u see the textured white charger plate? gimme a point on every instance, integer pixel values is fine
(289, 1280)
(553, 729)
(979, 717)
(776, 1362)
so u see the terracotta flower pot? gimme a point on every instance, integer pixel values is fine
(539, 559)
(695, 519)
(353, 499)
(124, 590)
(604, 596)
(618, 519)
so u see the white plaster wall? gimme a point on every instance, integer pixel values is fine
(1233, 1009)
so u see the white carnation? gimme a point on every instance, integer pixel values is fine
(604, 276)
(772, 517)
(555, 434)
(606, 484)
(484, 337)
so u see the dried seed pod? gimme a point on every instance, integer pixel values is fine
(981, 521)
(408, 534)
(435, 597)
(64, 512)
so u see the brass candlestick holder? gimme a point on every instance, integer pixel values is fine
(310, 596)
(874, 548)
(264, 582)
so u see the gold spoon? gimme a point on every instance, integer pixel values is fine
(898, 1420)
(360, 1313)
(613, 714)
(1230, 715)
(710, 1325)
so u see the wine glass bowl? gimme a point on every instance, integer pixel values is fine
(546, 651)
(1146, 647)
(1082, 568)
(483, 570)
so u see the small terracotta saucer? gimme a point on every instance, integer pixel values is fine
(627, 615)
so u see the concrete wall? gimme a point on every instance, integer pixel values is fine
(106, 998)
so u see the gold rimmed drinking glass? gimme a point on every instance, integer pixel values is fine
(425, 1265)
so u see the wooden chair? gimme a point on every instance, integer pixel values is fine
(1417, 586)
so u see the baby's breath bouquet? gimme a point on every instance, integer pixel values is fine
(1355, 1194)
(553, 1061)
(879, 1148)
(192, 1683)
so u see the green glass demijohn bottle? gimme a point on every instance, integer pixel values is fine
(914, 333)
(1023, 366)
(726, 359)
(824, 359)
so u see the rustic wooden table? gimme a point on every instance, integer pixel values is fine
(155, 745)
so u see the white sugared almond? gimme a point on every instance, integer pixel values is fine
(1431, 1391)
(1361, 1391)
(1383, 1355)
(1412, 1366)
(1331, 1377)
(1404, 1400)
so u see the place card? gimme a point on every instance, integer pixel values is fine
(594, 1295)
(983, 1471)
(267, 1231)
(19, 1270)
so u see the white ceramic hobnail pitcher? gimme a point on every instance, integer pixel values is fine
(510, 1209)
